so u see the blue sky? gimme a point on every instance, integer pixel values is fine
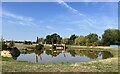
(27, 20)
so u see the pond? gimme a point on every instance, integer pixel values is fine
(57, 56)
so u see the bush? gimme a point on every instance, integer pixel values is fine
(11, 44)
(4, 46)
(39, 47)
(15, 52)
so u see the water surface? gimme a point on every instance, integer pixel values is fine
(57, 56)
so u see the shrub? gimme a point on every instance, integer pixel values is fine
(11, 44)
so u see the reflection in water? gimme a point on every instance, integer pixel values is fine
(15, 58)
(36, 58)
(72, 52)
(38, 53)
(90, 54)
(53, 53)
(65, 56)
(106, 55)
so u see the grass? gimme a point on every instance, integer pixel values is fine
(47, 47)
(96, 66)
(106, 65)
(7, 59)
(28, 50)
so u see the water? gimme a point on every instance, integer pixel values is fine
(57, 56)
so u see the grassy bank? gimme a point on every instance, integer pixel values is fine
(106, 65)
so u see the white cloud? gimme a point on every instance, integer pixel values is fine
(50, 27)
(110, 27)
(21, 20)
(89, 21)
(69, 7)
(69, 29)
(86, 20)
(8, 14)
(10, 21)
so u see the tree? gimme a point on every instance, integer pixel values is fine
(65, 40)
(92, 39)
(40, 40)
(37, 41)
(48, 39)
(27, 42)
(80, 40)
(99, 43)
(53, 39)
(72, 39)
(39, 47)
(56, 39)
(12, 44)
(111, 36)
(3, 44)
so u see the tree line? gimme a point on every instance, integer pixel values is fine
(110, 36)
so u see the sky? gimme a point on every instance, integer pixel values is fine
(27, 20)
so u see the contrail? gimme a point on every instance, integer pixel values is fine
(89, 21)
